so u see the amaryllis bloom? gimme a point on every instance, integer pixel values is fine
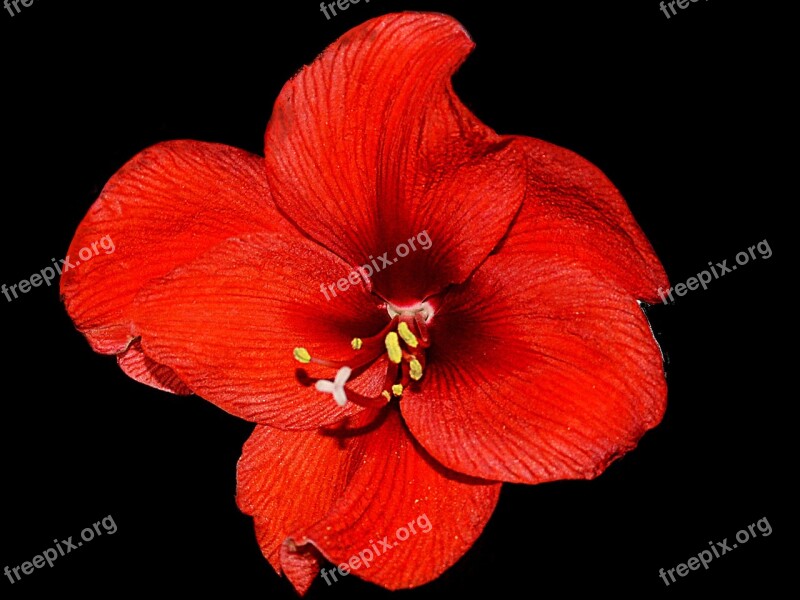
(499, 336)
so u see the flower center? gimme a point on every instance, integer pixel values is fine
(403, 340)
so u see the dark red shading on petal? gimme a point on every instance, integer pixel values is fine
(143, 369)
(461, 218)
(572, 210)
(166, 206)
(228, 323)
(381, 481)
(369, 146)
(538, 371)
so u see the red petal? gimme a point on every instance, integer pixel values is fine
(165, 207)
(382, 481)
(228, 323)
(572, 210)
(539, 371)
(143, 369)
(369, 146)
(277, 465)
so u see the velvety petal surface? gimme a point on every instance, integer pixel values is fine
(358, 493)
(369, 146)
(166, 206)
(228, 323)
(573, 211)
(538, 371)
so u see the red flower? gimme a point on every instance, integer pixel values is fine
(511, 349)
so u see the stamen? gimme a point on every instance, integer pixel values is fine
(404, 339)
(415, 369)
(302, 355)
(405, 333)
(336, 387)
(393, 347)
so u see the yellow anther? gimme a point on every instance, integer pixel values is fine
(415, 369)
(393, 347)
(386, 395)
(405, 333)
(356, 343)
(302, 355)
(397, 389)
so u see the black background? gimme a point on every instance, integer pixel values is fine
(682, 114)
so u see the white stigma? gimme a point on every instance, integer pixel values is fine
(336, 387)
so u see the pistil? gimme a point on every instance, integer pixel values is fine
(404, 340)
